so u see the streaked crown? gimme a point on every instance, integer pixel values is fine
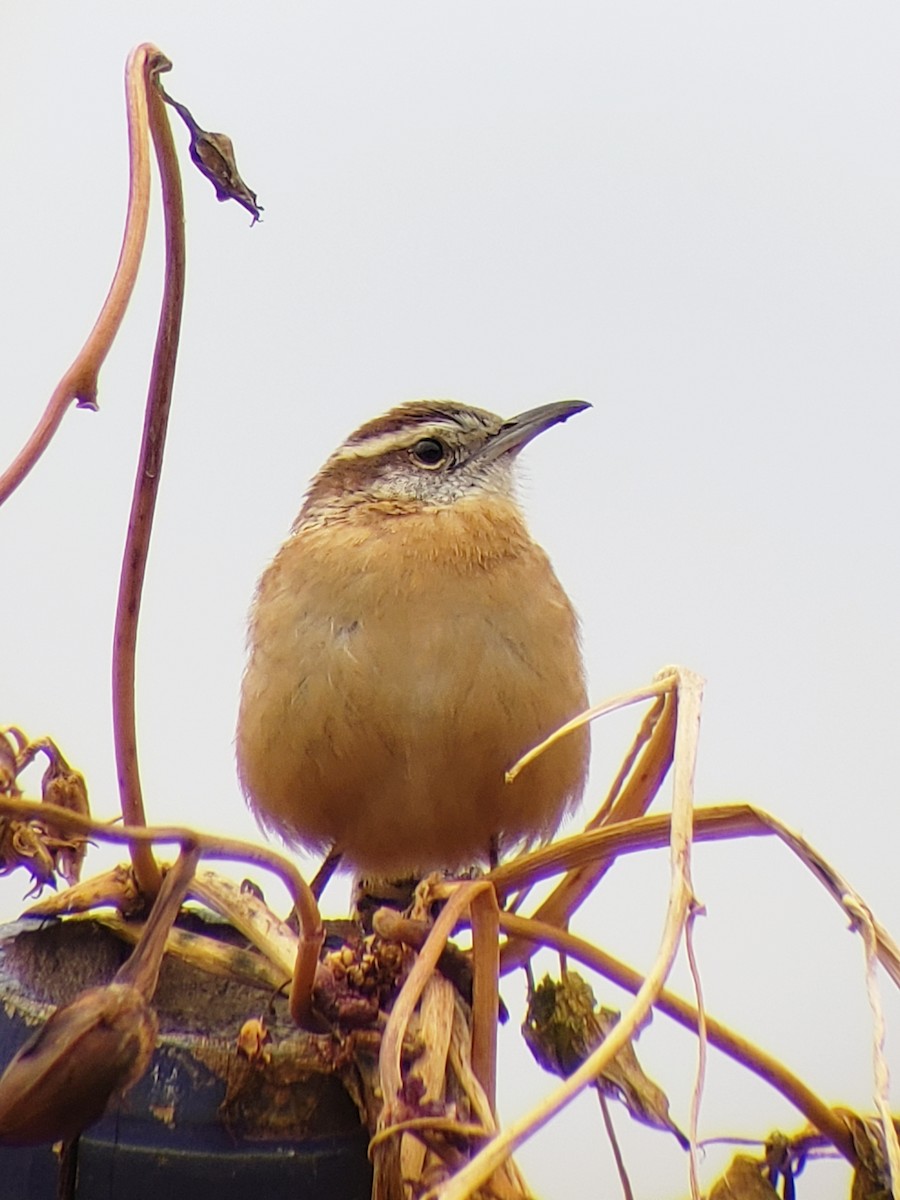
(427, 452)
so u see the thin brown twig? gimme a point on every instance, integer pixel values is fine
(143, 504)
(658, 687)
(616, 1148)
(79, 383)
(866, 927)
(641, 739)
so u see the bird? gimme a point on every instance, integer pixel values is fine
(406, 645)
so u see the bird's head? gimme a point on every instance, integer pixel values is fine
(429, 453)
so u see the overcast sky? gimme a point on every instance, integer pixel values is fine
(688, 214)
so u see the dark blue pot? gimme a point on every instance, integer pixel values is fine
(203, 1121)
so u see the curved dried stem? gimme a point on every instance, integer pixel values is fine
(659, 687)
(710, 824)
(826, 1119)
(312, 933)
(79, 383)
(250, 916)
(206, 954)
(146, 487)
(626, 800)
(446, 1125)
(495, 1153)
(141, 970)
(392, 1042)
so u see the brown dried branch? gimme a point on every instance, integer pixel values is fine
(629, 798)
(80, 381)
(312, 931)
(485, 995)
(143, 504)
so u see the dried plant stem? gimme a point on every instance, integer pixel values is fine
(628, 837)
(627, 1192)
(146, 486)
(702, 1039)
(460, 1129)
(740, 1049)
(485, 995)
(205, 953)
(623, 700)
(404, 1006)
(436, 1027)
(866, 926)
(632, 801)
(80, 380)
(142, 968)
(494, 1154)
(249, 916)
(312, 933)
(642, 738)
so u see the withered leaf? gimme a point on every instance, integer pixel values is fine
(870, 1179)
(563, 1027)
(743, 1180)
(213, 155)
(66, 788)
(24, 844)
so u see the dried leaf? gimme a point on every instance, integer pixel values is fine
(205, 953)
(870, 1179)
(253, 1038)
(744, 1180)
(562, 1029)
(63, 786)
(116, 888)
(35, 844)
(213, 155)
(22, 844)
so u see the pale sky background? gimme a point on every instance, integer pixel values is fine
(687, 213)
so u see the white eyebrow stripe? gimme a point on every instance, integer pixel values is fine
(381, 443)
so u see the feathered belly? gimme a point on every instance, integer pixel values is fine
(384, 720)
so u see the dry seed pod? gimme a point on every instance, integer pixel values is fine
(61, 1080)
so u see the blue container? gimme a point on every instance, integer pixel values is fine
(204, 1120)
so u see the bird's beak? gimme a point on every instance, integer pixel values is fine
(518, 431)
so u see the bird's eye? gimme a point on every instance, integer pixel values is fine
(429, 452)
